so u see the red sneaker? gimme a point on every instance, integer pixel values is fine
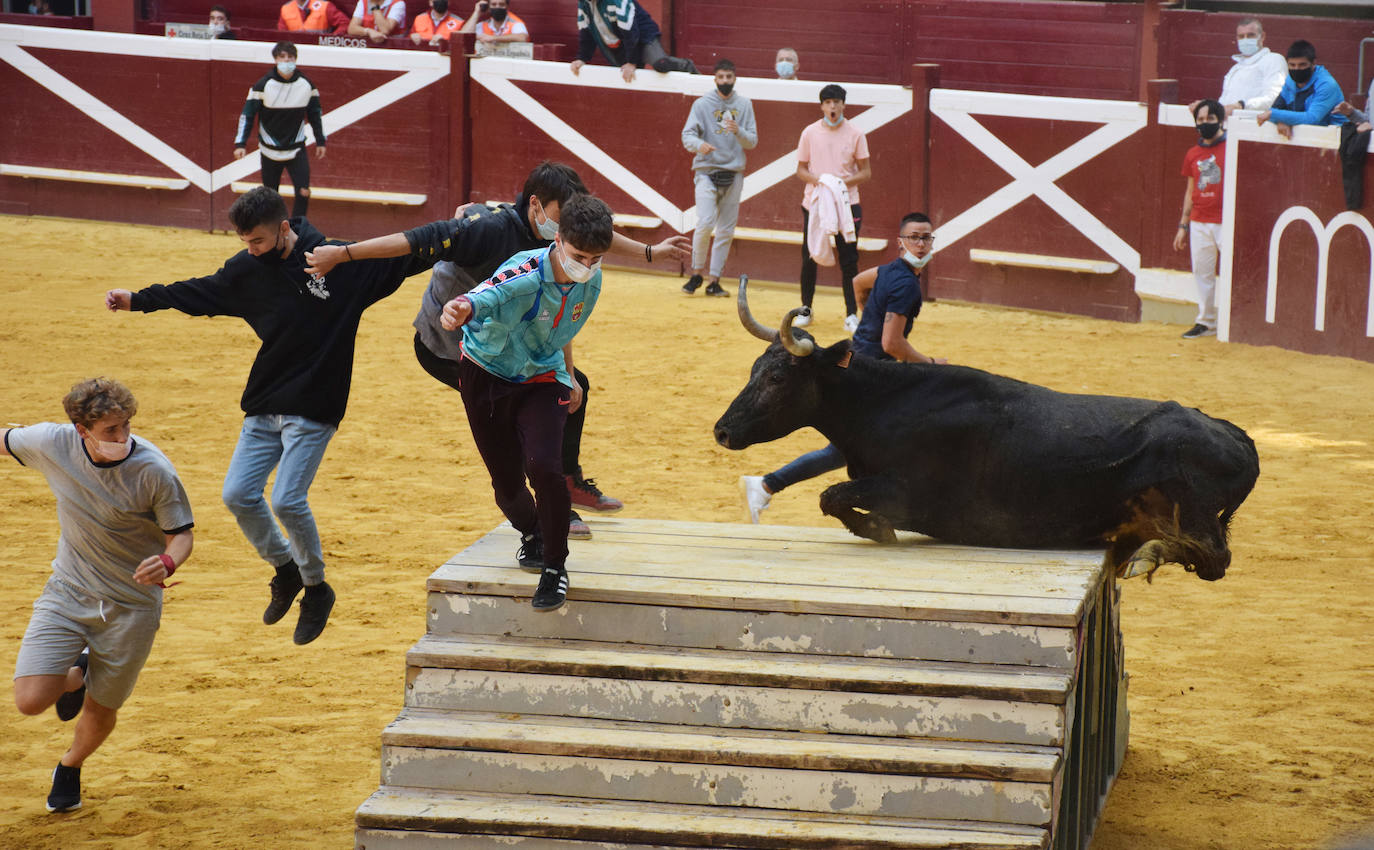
(586, 494)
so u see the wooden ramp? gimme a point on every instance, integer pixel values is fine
(714, 685)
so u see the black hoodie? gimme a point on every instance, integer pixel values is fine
(307, 324)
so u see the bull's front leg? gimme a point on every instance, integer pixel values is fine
(866, 506)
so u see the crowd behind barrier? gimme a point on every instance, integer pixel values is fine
(1114, 253)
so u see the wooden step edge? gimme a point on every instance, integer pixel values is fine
(675, 824)
(728, 667)
(1063, 611)
(574, 738)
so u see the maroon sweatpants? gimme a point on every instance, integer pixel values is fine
(518, 429)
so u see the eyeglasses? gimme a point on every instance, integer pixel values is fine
(918, 237)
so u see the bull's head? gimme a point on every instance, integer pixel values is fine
(784, 389)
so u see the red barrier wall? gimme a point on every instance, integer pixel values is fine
(1298, 177)
(1195, 47)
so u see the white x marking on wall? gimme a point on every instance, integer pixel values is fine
(1120, 120)
(498, 75)
(417, 69)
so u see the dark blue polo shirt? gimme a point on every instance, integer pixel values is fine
(897, 290)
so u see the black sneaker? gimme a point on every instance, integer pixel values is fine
(69, 704)
(286, 585)
(714, 288)
(531, 554)
(552, 591)
(65, 795)
(1199, 330)
(690, 287)
(315, 607)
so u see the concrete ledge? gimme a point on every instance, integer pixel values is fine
(102, 177)
(648, 222)
(361, 196)
(1042, 261)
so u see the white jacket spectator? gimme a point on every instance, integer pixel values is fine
(1257, 77)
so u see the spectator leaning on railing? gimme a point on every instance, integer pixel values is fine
(498, 24)
(1310, 94)
(435, 26)
(312, 16)
(378, 19)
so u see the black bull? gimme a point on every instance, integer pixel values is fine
(983, 460)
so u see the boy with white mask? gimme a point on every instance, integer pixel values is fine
(125, 528)
(890, 297)
(281, 102)
(517, 385)
(719, 129)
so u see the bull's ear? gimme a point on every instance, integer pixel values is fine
(835, 354)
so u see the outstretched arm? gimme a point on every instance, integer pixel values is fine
(676, 247)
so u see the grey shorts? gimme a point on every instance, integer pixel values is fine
(66, 620)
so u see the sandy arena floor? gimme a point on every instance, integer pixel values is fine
(1250, 698)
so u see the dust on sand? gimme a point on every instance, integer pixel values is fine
(1249, 698)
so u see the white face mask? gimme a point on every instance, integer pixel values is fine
(548, 228)
(914, 261)
(286, 69)
(577, 272)
(1249, 45)
(114, 451)
(217, 29)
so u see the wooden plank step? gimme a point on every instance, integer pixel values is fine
(714, 628)
(673, 825)
(673, 588)
(737, 706)
(910, 568)
(395, 839)
(658, 742)
(773, 670)
(838, 792)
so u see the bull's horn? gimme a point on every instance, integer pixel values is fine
(746, 318)
(795, 347)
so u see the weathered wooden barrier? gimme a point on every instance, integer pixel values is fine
(713, 685)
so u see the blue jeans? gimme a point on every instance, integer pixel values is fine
(294, 446)
(807, 466)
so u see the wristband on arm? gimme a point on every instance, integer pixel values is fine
(168, 563)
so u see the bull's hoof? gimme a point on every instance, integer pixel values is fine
(1144, 561)
(875, 528)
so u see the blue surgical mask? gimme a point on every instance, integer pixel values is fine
(785, 69)
(837, 122)
(1248, 46)
(914, 261)
(286, 69)
(548, 228)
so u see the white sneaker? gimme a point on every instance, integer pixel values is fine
(851, 323)
(755, 497)
(803, 319)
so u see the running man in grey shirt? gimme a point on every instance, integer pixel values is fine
(125, 528)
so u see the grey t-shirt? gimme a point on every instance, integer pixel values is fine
(113, 515)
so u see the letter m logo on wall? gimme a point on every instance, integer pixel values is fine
(1324, 233)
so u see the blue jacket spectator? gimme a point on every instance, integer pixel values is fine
(1309, 94)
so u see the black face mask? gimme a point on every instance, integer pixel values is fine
(1301, 77)
(725, 88)
(272, 257)
(1208, 131)
(498, 15)
(440, 7)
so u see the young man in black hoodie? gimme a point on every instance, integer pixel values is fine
(298, 387)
